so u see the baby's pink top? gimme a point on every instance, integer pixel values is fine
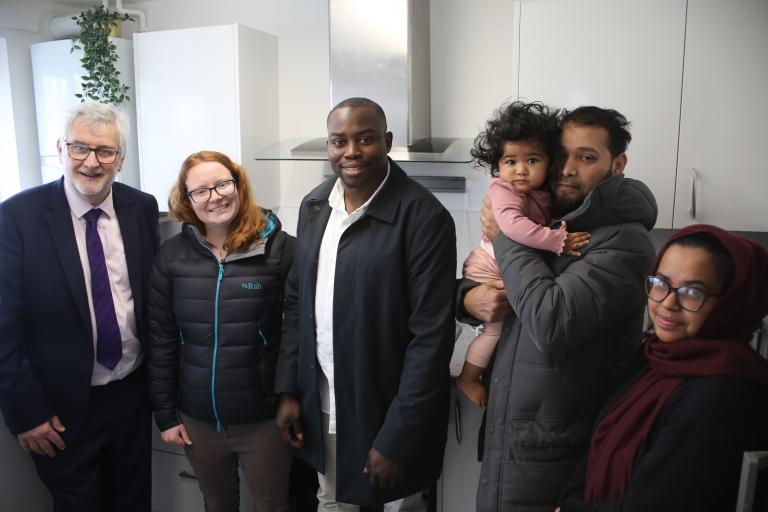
(524, 217)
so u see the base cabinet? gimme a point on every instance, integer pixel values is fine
(174, 484)
(457, 487)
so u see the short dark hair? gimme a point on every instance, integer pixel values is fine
(358, 102)
(612, 121)
(720, 255)
(518, 121)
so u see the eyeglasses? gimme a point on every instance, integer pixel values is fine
(203, 194)
(689, 298)
(104, 155)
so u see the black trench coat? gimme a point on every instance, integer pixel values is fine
(393, 321)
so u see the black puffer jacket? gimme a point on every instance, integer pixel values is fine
(214, 328)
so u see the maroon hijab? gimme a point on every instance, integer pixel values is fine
(720, 348)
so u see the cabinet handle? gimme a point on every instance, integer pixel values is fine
(692, 209)
(187, 475)
(457, 409)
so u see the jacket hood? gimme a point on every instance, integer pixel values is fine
(616, 200)
(273, 225)
(256, 247)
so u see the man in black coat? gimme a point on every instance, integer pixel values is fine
(75, 256)
(368, 332)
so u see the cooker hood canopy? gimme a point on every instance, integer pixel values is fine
(380, 50)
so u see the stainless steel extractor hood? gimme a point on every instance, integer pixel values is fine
(379, 49)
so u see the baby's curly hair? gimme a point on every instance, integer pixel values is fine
(516, 122)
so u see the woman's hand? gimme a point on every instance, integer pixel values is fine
(176, 435)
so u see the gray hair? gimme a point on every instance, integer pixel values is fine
(93, 113)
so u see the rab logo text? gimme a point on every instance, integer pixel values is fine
(251, 286)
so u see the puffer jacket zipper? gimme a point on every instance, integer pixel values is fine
(216, 345)
(215, 329)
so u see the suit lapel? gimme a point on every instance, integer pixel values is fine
(59, 220)
(128, 218)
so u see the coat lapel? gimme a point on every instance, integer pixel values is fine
(59, 220)
(317, 213)
(386, 203)
(128, 218)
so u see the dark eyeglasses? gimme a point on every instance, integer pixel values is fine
(203, 194)
(688, 297)
(104, 155)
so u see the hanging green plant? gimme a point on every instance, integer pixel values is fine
(101, 81)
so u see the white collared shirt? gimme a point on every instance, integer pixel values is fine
(117, 268)
(338, 222)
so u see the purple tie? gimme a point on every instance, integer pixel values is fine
(109, 346)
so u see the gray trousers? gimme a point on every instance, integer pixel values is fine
(258, 447)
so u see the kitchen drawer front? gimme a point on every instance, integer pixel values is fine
(174, 487)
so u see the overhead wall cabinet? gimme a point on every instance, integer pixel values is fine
(56, 72)
(207, 88)
(621, 54)
(722, 174)
(690, 77)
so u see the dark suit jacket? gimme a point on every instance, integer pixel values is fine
(46, 340)
(393, 336)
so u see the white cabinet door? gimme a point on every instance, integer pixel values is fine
(457, 487)
(20, 487)
(620, 54)
(56, 72)
(174, 486)
(187, 99)
(724, 117)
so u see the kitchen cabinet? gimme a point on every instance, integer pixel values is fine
(57, 72)
(620, 54)
(690, 77)
(174, 486)
(721, 168)
(206, 88)
(20, 487)
(457, 487)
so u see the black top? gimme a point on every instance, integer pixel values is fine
(692, 458)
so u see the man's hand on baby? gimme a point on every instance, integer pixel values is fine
(574, 241)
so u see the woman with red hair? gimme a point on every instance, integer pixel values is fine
(673, 436)
(214, 318)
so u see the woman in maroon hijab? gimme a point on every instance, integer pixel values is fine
(672, 437)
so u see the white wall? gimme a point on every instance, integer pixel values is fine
(471, 70)
(19, 27)
(22, 23)
(9, 178)
(471, 54)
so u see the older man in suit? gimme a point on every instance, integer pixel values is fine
(74, 258)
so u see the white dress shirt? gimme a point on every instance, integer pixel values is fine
(338, 222)
(117, 268)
